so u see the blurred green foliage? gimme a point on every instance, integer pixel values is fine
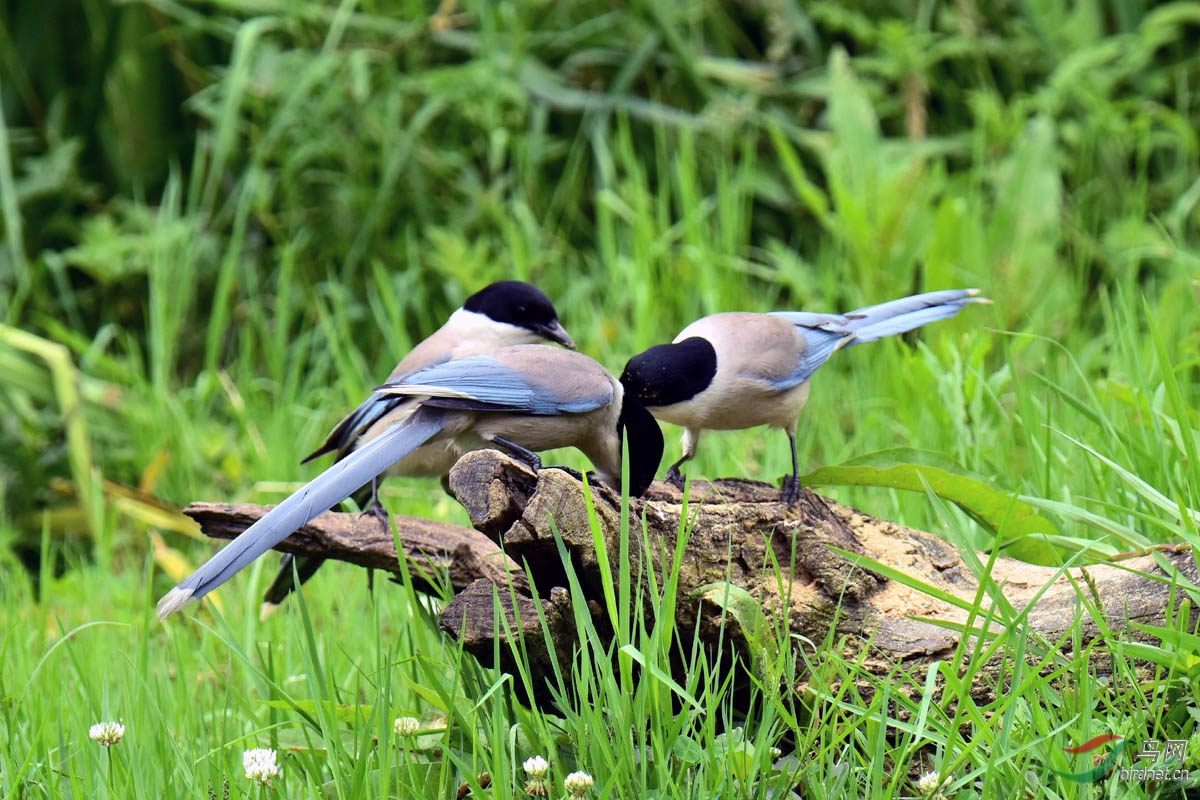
(390, 134)
(281, 197)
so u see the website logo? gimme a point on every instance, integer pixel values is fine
(1155, 762)
(1102, 767)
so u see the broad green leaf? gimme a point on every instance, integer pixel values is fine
(687, 750)
(747, 610)
(1014, 522)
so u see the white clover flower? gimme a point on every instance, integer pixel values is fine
(776, 753)
(107, 733)
(928, 783)
(406, 726)
(537, 768)
(260, 765)
(578, 784)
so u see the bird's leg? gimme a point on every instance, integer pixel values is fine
(691, 439)
(375, 507)
(791, 483)
(531, 459)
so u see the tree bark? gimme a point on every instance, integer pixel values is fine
(431, 549)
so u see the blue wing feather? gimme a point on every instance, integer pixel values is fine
(483, 383)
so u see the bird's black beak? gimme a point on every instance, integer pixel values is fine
(555, 332)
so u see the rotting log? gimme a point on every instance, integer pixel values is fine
(739, 532)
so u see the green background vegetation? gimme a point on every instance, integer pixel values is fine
(224, 222)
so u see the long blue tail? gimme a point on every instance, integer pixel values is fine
(825, 334)
(899, 316)
(319, 495)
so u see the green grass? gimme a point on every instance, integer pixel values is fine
(220, 237)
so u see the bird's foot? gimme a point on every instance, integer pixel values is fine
(531, 460)
(675, 478)
(519, 452)
(791, 490)
(377, 511)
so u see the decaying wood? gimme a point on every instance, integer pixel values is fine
(430, 548)
(739, 532)
(789, 559)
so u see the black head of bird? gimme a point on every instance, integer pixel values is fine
(522, 305)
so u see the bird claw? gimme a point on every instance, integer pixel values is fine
(519, 453)
(377, 511)
(531, 461)
(675, 478)
(791, 490)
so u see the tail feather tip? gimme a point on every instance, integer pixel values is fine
(172, 601)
